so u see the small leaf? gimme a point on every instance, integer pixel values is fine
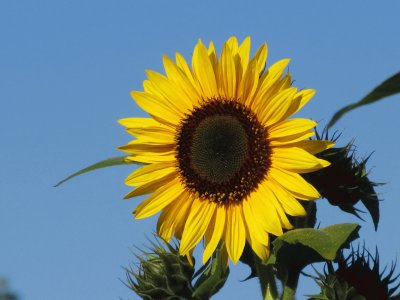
(300, 247)
(340, 235)
(212, 279)
(114, 161)
(389, 87)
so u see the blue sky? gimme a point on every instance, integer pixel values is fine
(66, 69)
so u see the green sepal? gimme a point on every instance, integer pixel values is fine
(370, 200)
(247, 258)
(212, 279)
(300, 247)
(345, 181)
(109, 162)
(387, 88)
(334, 289)
(162, 273)
(307, 221)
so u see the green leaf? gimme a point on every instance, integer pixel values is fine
(300, 247)
(388, 88)
(340, 236)
(114, 161)
(212, 279)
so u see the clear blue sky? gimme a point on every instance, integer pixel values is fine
(66, 69)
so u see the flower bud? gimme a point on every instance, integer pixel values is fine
(162, 274)
(357, 277)
(345, 182)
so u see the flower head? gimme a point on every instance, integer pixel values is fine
(223, 161)
(358, 275)
(153, 279)
(345, 182)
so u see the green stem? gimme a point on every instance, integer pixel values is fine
(267, 279)
(289, 290)
(288, 293)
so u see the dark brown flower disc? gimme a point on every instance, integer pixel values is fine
(222, 150)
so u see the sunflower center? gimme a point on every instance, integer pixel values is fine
(219, 148)
(222, 151)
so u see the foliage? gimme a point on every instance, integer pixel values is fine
(163, 274)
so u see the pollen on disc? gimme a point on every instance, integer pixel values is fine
(222, 151)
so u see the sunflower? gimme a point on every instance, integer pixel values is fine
(222, 161)
(358, 277)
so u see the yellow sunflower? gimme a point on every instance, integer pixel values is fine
(222, 159)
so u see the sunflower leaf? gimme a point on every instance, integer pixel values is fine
(212, 279)
(300, 247)
(387, 88)
(114, 161)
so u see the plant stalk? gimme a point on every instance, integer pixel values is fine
(266, 277)
(289, 290)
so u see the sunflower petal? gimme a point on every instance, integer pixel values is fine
(173, 215)
(144, 124)
(197, 222)
(150, 172)
(159, 135)
(138, 148)
(235, 235)
(159, 199)
(305, 96)
(277, 107)
(151, 158)
(314, 146)
(296, 160)
(289, 203)
(290, 127)
(159, 110)
(278, 206)
(212, 54)
(249, 83)
(183, 65)
(261, 57)
(204, 71)
(150, 187)
(165, 225)
(214, 232)
(183, 214)
(178, 76)
(260, 249)
(244, 52)
(252, 223)
(264, 210)
(290, 141)
(169, 92)
(227, 73)
(272, 75)
(258, 240)
(296, 185)
(232, 42)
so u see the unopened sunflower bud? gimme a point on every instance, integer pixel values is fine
(345, 182)
(162, 274)
(356, 278)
